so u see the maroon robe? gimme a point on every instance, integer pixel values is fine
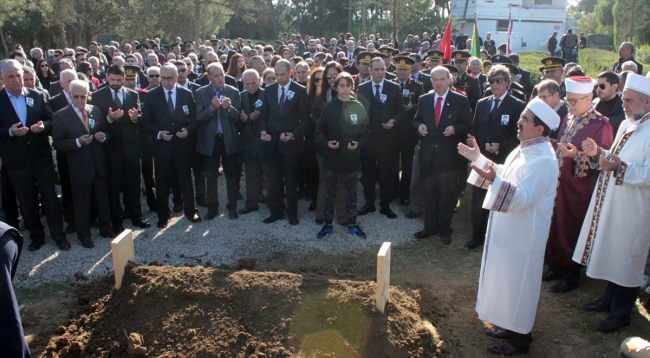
(575, 185)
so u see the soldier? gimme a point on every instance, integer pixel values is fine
(389, 52)
(434, 59)
(363, 61)
(468, 84)
(389, 76)
(417, 75)
(553, 69)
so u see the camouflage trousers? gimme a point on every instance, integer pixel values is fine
(349, 181)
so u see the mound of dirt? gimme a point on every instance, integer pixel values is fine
(206, 312)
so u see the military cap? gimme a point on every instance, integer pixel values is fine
(435, 55)
(386, 50)
(130, 71)
(514, 70)
(452, 69)
(141, 48)
(365, 57)
(358, 50)
(174, 45)
(403, 62)
(500, 59)
(460, 55)
(551, 63)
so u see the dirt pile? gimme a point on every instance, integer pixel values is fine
(207, 312)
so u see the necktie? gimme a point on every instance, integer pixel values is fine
(493, 113)
(170, 102)
(437, 110)
(377, 96)
(402, 87)
(281, 104)
(83, 119)
(219, 128)
(117, 100)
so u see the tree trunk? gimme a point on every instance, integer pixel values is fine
(4, 42)
(197, 21)
(64, 40)
(274, 22)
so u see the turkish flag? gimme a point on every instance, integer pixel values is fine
(445, 43)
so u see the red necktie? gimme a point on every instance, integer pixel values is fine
(437, 110)
(83, 116)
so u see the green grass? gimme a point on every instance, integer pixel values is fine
(593, 61)
(530, 61)
(41, 292)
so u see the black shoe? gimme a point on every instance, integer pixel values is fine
(108, 234)
(320, 221)
(211, 215)
(232, 214)
(422, 234)
(245, 211)
(273, 218)
(368, 208)
(474, 243)
(446, 240)
(63, 244)
(563, 286)
(162, 223)
(388, 212)
(497, 333)
(194, 218)
(87, 243)
(178, 208)
(506, 349)
(312, 206)
(355, 230)
(404, 202)
(35, 245)
(141, 224)
(293, 219)
(325, 231)
(412, 215)
(596, 306)
(551, 275)
(611, 324)
(70, 229)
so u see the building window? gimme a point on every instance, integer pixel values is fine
(502, 25)
(543, 2)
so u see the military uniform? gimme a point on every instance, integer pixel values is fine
(551, 63)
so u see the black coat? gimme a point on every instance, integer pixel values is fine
(380, 113)
(471, 87)
(525, 81)
(33, 149)
(250, 131)
(425, 80)
(88, 159)
(617, 115)
(58, 102)
(343, 122)
(294, 118)
(486, 131)
(616, 67)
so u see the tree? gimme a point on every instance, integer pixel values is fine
(587, 24)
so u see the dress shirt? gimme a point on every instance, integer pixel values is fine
(374, 88)
(286, 91)
(435, 99)
(500, 100)
(20, 106)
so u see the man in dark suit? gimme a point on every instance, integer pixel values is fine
(626, 53)
(283, 123)
(79, 131)
(418, 75)
(443, 119)
(120, 107)
(495, 129)
(25, 121)
(217, 114)
(384, 104)
(524, 78)
(211, 57)
(169, 117)
(609, 103)
(465, 82)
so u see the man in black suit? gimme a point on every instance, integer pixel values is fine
(79, 131)
(495, 129)
(218, 143)
(418, 75)
(465, 82)
(169, 117)
(384, 104)
(211, 57)
(56, 87)
(283, 123)
(120, 107)
(609, 103)
(25, 121)
(443, 119)
(524, 78)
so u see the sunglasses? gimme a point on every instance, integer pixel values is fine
(602, 86)
(45, 65)
(154, 76)
(330, 77)
(79, 97)
(497, 80)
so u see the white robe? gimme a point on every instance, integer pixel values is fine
(615, 235)
(521, 203)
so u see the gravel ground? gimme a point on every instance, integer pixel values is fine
(220, 241)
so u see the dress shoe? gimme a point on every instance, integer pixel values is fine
(355, 230)
(611, 324)
(70, 229)
(211, 215)
(178, 208)
(497, 333)
(245, 211)
(596, 306)
(404, 202)
(474, 243)
(232, 214)
(35, 245)
(368, 208)
(293, 219)
(63, 244)
(325, 231)
(141, 224)
(506, 349)
(422, 234)
(87, 243)
(563, 286)
(320, 221)
(446, 240)
(162, 223)
(312, 206)
(388, 212)
(273, 218)
(194, 218)
(551, 275)
(412, 215)
(109, 234)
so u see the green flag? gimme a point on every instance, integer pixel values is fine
(476, 49)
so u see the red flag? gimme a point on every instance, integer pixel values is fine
(445, 43)
(508, 49)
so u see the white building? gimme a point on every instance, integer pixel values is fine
(533, 21)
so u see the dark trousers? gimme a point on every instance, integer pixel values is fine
(166, 169)
(12, 337)
(479, 215)
(83, 196)
(379, 163)
(283, 166)
(406, 152)
(177, 191)
(211, 165)
(311, 173)
(349, 181)
(518, 340)
(253, 182)
(620, 299)
(200, 177)
(147, 171)
(9, 200)
(438, 185)
(124, 178)
(66, 188)
(28, 184)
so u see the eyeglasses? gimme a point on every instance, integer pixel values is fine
(573, 101)
(79, 97)
(154, 76)
(497, 80)
(602, 86)
(45, 65)
(330, 77)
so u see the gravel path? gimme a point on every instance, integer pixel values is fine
(218, 241)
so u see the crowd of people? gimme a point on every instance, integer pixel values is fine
(555, 167)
